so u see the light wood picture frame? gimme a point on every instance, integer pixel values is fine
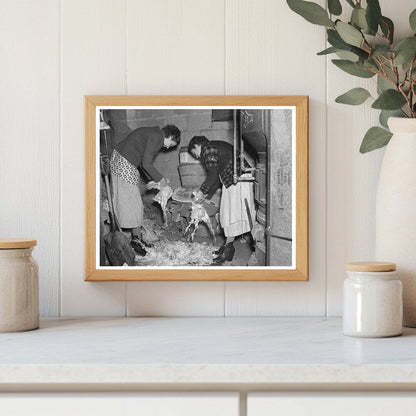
(279, 182)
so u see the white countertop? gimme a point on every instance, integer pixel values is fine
(274, 352)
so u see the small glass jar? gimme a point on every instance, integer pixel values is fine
(372, 300)
(19, 286)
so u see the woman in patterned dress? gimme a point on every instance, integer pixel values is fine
(138, 151)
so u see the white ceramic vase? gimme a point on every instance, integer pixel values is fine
(396, 210)
(19, 286)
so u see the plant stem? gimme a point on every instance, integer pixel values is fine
(365, 42)
(388, 34)
(384, 73)
(412, 83)
(406, 97)
(395, 71)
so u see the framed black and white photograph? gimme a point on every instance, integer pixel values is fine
(196, 187)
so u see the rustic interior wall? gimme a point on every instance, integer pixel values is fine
(190, 122)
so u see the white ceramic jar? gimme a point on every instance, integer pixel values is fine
(19, 286)
(372, 300)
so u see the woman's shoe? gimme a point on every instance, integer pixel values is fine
(137, 246)
(220, 250)
(148, 245)
(227, 254)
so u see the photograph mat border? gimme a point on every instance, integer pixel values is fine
(293, 169)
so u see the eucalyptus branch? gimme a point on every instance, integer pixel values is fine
(384, 73)
(406, 97)
(364, 49)
(412, 83)
(365, 41)
(386, 60)
(395, 71)
(404, 113)
(392, 67)
(382, 35)
(371, 70)
(368, 34)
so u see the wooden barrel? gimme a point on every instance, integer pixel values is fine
(185, 157)
(192, 174)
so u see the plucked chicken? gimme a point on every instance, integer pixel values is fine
(162, 198)
(199, 214)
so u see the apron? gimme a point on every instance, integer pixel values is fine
(233, 213)
(127, 200)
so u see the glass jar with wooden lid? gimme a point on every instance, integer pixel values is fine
(19, 286)
(372, 300)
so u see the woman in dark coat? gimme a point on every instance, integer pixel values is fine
(217, 158)
(137, 151)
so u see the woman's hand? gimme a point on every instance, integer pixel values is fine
(151, 185)
(164, 182)
(199, 197)
(158, 185)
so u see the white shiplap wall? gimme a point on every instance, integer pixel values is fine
(93, 59)
(55, 52)
(30, 137)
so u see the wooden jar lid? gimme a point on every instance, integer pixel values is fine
(371, 266)
(11, 243)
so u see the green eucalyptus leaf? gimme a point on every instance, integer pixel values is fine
(392, 75)
(381, 50)
(311, 12)
(386, 114)
(375, 138)
(405, 51)
(328, 51)
(412, 20)
(334, 7)
(349, 34)
(352, 68)
(389, 100)
(406, 66)
(348, 56)
(361, 53)
(373, 15)
(335, 40)
(383, 84)
(371, 64)
(405, 43)
(387, 27)
(358, 18)
(356, 96)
